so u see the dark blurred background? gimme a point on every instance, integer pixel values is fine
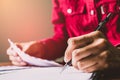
(23, 20)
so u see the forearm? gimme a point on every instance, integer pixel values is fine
(53, 48)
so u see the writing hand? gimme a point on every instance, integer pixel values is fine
(92, 52)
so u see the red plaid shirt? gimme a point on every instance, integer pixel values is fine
(73, 18)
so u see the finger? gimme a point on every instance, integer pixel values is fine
(91, 50)
(76, 57)
(91, 68)
(84, 40)
(79, 54)
(14, 58)
(82, 63)
(19, 63)
(99, 63)
(85, 63)
(74, 60)
(81, 41)
(83, 67)
(74, 43)
(95, 67)
(68, 55)
(11, 52)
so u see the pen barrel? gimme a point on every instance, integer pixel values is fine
(102, 23)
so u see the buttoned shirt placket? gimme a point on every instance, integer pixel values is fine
(92, 12)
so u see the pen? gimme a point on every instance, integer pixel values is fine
(103, 22)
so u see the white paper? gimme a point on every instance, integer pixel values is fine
(47, 73)
(30, 59)
(9, 69)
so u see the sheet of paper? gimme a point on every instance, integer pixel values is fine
(9, 69)
(47, 73)
(6, 68)
(30, 59)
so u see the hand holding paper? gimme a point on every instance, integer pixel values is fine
(32, 60)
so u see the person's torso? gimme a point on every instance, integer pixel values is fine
(83, 16)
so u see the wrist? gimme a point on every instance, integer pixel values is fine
(114, 60)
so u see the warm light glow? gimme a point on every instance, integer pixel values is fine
(24, 20)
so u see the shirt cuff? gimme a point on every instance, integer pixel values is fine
(117, 45)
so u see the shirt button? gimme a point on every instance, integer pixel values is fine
(119, 7)
(102, 10)
(92, 12)
(69, 11)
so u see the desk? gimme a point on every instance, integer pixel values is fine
(5, 63)
(9, 64)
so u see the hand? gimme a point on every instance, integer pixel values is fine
(14, 57)
(32, 48)
(92, 52)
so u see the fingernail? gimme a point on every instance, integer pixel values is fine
(65, 59)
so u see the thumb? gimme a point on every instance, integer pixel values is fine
(67, 56)
(19, 45)
(68, 52)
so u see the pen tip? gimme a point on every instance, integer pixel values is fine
(63, 68)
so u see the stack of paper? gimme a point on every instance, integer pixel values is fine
(10, 69)
(46, 71)
(49, 73)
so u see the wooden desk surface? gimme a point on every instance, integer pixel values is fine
(10, 64)
(5, 63)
